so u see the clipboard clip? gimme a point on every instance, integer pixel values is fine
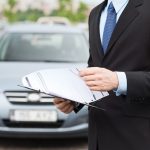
(37, 91)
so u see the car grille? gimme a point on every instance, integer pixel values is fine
(28, 97)
(12, 124)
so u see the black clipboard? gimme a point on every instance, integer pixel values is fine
(53, 96)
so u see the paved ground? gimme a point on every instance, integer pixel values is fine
(44, 144)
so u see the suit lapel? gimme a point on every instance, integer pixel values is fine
(97, 28)
(127, 17)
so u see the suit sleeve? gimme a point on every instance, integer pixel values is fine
(138, 85)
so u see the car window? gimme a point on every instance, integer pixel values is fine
(44, 47)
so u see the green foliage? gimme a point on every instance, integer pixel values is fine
(82, 11)
(29, 15)
(9, 11)
(12, 3)
(64, 3)
(65, 10)
(9, 15)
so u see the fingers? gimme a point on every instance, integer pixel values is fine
(99, 79)
(67, 109)
(97, 88)
(65, 106)
(92, 77)
(91, 83)
(88, 71)
(58, 100)
(95, 85)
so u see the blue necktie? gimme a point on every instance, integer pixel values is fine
(109, 26)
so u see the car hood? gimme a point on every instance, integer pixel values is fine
(12, 72)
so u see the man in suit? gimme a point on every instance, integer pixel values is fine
(119, 36)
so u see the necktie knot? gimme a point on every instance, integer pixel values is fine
(111, 8)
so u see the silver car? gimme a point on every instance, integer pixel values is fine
(27, 48)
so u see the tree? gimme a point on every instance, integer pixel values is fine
(64, 4)
(65, 10)
(12, 3)
(13, 16)
(82, 11)
(9, 12)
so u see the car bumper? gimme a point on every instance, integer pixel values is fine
(67, 125)
(75, 131)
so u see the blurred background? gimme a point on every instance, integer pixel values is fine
(35, 35)
(30, 10)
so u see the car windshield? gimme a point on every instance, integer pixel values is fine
(57, 47)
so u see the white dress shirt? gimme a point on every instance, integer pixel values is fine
(119, 6)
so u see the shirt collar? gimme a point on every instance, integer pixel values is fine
(118, 4)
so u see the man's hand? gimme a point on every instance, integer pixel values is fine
(65, 106)
(100, 79)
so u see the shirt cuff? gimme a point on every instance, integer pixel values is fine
(122, 87)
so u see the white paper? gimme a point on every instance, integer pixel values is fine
(64, 83)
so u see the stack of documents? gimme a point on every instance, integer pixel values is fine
(63, 83)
